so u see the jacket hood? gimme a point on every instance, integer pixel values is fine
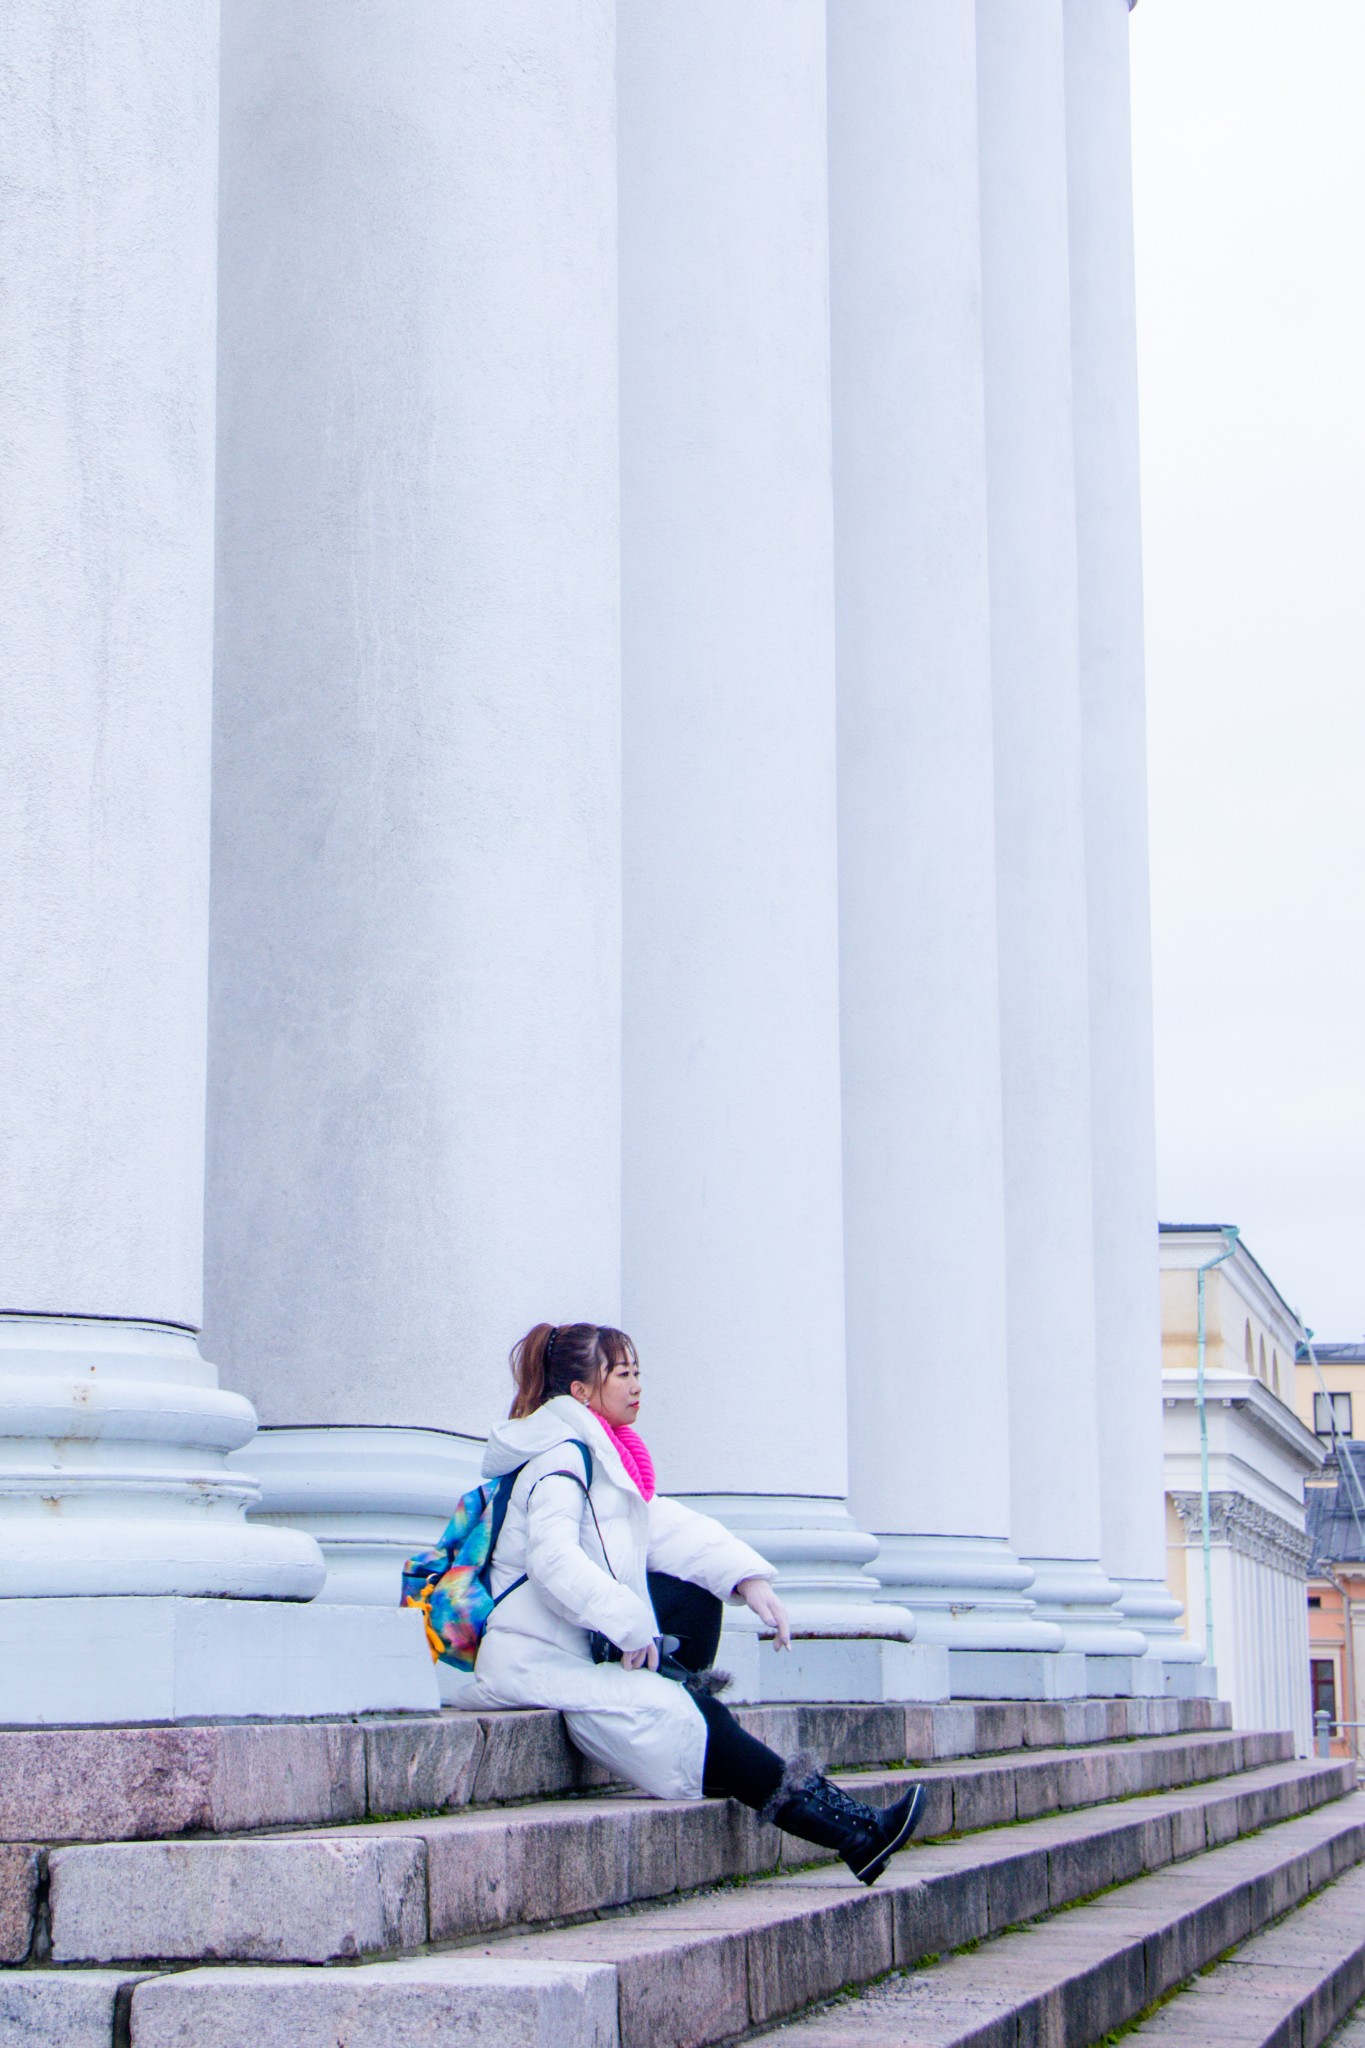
(511, 1443)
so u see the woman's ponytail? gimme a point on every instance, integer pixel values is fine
(528, 1370)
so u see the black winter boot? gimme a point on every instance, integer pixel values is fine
(807, 1805)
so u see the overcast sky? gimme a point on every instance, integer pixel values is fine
(1249, 164)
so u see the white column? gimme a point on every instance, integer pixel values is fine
(415, 1093)
(1113, 731)
(113, 1430)
(733, 1267)
(1044, 969)
(923, 1172)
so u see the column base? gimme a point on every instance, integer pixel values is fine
(1191, 1681)
(831, 1668)
(820, 1554)
(110, 1660)
(1017, 1675)
(370, 1497)
(1149, 1604)
(966, 1592)
(1079, 1596)
(1124, 1678)
(115, 1474)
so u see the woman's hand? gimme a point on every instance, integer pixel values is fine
(648, 1658)
(758, 1595)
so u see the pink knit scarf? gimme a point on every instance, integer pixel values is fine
(634, 1454)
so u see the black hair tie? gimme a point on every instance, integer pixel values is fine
(550, 1345)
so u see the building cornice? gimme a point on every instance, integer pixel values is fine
(1264, 1410)
(1245, 1526)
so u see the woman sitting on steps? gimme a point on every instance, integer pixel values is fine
(614, 1572)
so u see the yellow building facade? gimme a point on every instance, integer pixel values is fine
(1242, 1580)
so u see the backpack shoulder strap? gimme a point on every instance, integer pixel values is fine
(501, 1491)
(502, 1499)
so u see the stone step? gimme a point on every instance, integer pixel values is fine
(715, 1968)
(129, 1784)
(1071, 1981)
(707, 1970)
(1287, 1988)
(433, 2002)
(392, 1886)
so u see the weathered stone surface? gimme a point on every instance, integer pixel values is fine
(1074, 1978)
(682, 1976)
(526, 1755)
(936, 1912)
(1187, 1830)
(953, 1732)
(112, 1784)
(846, 1737)
(1017, 1885)
(999, 1725)
(494, 1869)
(298, 1899)
(1082, 1778)
(19, 1865)
(1083, 1866)
(1085, 1721)
(286, 1774)
(983, 1797)
(122, 1784)
(502, 1870)
(1044, 1724)
(59, 2008)
(686, 1995)
(793, 1963)
(1101, 1991)
(481, 2002)
(720, 1838)
(1037, 1786)
(417, 1765)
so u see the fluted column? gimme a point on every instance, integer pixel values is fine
(1113, 731)
(415, 1102)
(733, 1238)
(1040, 842)
(923, 1172)
(113, 1429)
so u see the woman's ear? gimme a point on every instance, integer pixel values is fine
(580, 1392)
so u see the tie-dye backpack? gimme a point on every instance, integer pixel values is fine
(450, 1584)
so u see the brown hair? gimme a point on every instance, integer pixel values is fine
(550, 1358)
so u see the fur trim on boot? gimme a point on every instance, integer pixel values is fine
(800, 1774)
(711, 1682)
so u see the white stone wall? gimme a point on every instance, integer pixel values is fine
(673, 554)
(414, 1110)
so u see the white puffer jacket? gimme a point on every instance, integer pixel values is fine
(535, 1650)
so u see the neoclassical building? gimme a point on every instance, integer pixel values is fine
(572, 747)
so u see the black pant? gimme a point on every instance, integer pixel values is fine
(737, 1765)
(691, 1614)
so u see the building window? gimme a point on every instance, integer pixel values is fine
(1324, 1686)
(1250, 1359)
(1330, 1410)
(1315, 1599)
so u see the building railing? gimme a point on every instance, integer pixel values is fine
(1326, 1727)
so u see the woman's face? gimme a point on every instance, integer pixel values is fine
(616, 1397)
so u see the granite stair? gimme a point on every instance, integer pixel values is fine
(1074, 1980)
(461, 1878)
